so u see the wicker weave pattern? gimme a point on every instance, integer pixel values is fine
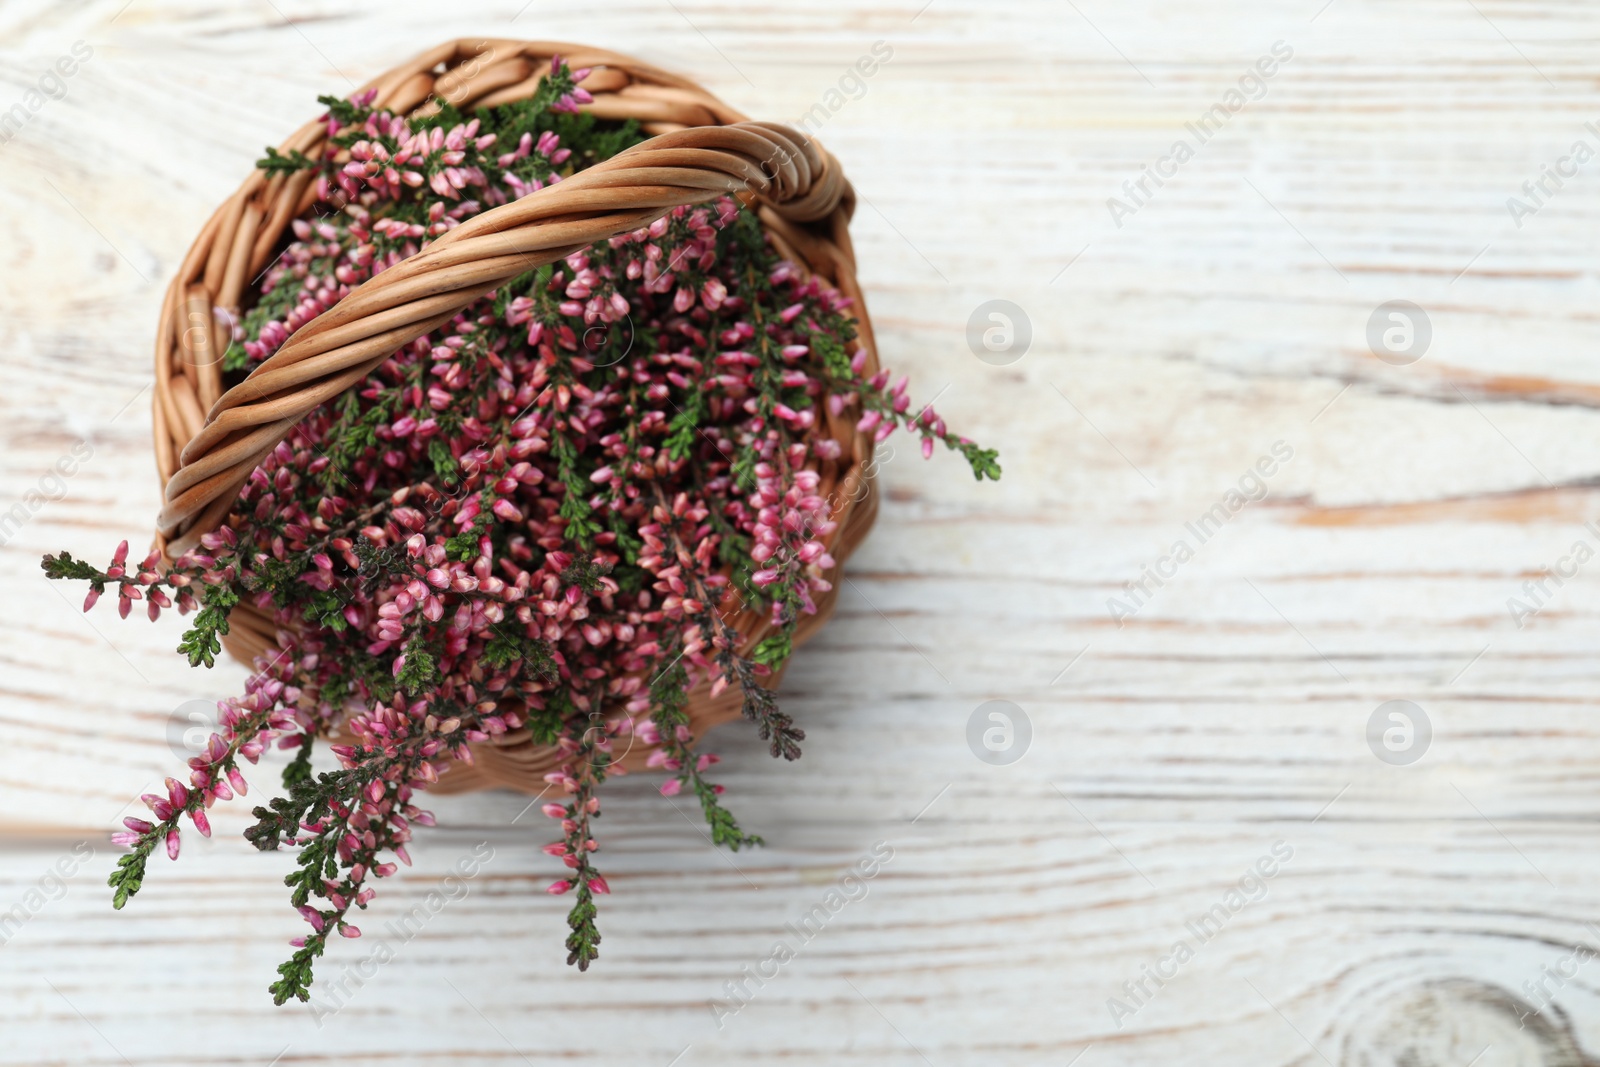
(207, 441)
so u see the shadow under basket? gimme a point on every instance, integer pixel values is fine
(208, 440)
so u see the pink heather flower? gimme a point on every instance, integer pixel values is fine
(521, 521)
(713, 293)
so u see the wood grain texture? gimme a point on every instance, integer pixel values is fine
(1422, 908)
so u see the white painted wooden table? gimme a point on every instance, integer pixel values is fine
(1421, 908)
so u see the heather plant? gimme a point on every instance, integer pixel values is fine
(541, 516)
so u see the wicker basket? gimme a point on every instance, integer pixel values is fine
(208, 441)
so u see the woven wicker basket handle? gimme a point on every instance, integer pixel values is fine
(773, 164)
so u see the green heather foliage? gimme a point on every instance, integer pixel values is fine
(537, 520)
